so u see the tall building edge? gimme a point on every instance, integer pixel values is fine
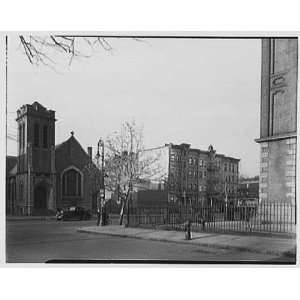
(278, 120)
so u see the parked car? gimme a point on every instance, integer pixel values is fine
(74, 213)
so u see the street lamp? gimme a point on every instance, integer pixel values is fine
(102, 185)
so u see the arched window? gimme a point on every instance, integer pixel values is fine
(71, 183)
(23, 137)
(45, 136)
(36, 135)
(20, 137)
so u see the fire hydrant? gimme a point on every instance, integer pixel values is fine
(187, 229)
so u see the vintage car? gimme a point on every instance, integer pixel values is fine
(73, 213)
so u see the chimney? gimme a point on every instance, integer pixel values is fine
(90, 152)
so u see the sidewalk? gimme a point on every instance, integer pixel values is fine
(258, 244)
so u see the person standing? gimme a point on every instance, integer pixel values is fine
(98, 216)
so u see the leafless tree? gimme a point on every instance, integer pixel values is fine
(127, 162)
(39, 49)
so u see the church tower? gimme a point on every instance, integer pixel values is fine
(35, 178)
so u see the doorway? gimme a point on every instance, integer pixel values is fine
(40, 198)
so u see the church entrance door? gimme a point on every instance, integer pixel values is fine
(40, 198)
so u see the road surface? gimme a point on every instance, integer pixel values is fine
(33, 241)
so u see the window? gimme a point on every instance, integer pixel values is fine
(23, 135)
(21, 191)
(20, 137)
(172, 157)
(36, 135)
(71, 183)
(190, 173)
(45, 136)
(225, 167)
(200, 162)
(190, 160)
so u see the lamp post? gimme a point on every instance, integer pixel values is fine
(102, 185)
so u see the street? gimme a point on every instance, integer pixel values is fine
(35, 241)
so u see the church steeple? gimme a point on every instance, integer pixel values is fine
(36, 131)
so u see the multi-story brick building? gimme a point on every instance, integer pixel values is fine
(201, 176)
(278, 122)
(194, 175)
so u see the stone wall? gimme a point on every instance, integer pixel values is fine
(278, 171)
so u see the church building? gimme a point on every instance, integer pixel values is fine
(44, 177)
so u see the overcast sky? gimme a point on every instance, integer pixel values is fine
(197, 91)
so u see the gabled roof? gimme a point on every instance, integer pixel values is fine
(70, 152)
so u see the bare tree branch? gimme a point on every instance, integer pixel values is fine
(37, 48)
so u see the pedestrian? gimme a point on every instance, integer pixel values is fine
(98, 216)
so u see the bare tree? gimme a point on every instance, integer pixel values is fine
(39, 50)
(127, 162)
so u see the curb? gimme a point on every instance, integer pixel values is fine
(288, 253)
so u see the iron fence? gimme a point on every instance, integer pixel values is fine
(264, 217)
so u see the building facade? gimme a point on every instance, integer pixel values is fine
(248, 189)
(192, 175)
(201, 176)
(278, 122)
(44, 177)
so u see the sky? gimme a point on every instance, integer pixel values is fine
(196, 91)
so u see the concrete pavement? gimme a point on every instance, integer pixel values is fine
(252, 243)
